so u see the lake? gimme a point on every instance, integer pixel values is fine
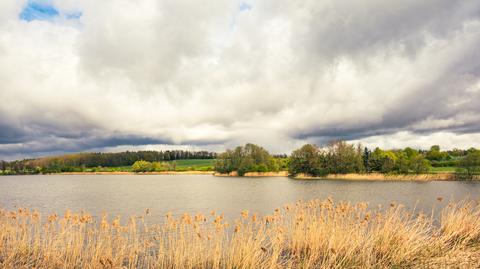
(128, 195)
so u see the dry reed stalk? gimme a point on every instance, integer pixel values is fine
(314, 234)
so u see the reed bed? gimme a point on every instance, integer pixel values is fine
(313, 234)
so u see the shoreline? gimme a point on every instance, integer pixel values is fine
(254, 174)
(358, 177)
(192, 172)
(351, 177)
(391, 177)
(135, 173)
(384, 177)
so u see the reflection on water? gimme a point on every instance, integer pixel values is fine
(131, 194)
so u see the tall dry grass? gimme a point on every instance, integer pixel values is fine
(314, 234)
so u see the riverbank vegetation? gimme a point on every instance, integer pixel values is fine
(314, 234)
(340, 157)
(177, 166)
(335, 158)
(105, 162)
(249, 158)
(343, 158)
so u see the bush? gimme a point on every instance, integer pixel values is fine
(142, 166)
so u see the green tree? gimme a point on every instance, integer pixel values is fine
(419, 165)
(224, 162)
(249, 158)
(471, 164)
(434, 154)
(388, 162)
(307, 160)
(343, 158)
(247, 164)
(366, 160)
(375, 160)
(3, 166)
(410, 152)
(402, 163)
(142, 166)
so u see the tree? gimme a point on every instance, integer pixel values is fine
(388, 162)
(307, 160)
(456, 153)
(3, 166)
(375, 160)
(410, 152)
(224, 162)
(244, 159)
(344, 158)
(366, 160)
(471, 164)
(419, 164)
(142, 166)
(402, 163)
(434, 154)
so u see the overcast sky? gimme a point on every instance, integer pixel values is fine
(83, 75)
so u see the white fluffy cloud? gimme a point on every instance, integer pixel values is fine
(209, 74)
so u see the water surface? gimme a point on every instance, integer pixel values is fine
(128, 195)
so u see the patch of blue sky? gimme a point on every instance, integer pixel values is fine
(38, 11)
(44, 11)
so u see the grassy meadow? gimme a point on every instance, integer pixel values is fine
(177, 165)
(447, 169)
(195, 165)
(313, 234)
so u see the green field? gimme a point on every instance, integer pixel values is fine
(180, 165)
(447, 169)
(195, 164)
(109, 169)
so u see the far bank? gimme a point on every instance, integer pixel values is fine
(350, 176)
(356, 176)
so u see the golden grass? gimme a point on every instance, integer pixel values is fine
(386, 177)
(314, 234)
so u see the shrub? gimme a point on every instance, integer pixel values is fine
(142, 166)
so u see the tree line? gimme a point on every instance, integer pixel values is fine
(79, 161)
(340, 157)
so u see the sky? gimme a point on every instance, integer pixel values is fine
(116, 75)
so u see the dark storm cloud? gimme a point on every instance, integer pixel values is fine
(387, 30)
(10, 134)
(360, 29)
(48, 145)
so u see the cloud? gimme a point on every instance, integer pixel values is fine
(244, 6)
(131, 73)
